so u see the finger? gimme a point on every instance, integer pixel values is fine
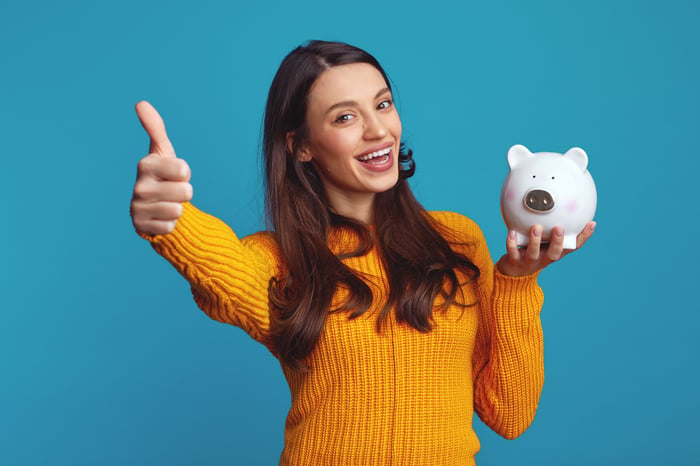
(556, 244)
(154, 126)
(585, 234)
(512, 247)
(146, 211)
(532, 253)
(169, 169)
(155, 227)
(150, 190)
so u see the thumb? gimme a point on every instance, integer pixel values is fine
(154, 126)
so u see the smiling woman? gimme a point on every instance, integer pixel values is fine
(391, 324)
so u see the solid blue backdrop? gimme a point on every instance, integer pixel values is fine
(105, 359)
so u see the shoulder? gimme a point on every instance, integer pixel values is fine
(465, 236)
(264, 242)
(463, 228)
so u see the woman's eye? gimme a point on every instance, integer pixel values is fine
(385, 104)
(344, 118)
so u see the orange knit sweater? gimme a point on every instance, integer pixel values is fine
(397, 397)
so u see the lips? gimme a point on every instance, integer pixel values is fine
(378, 158)
(379, 163)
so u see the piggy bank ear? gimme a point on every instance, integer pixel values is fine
(517, 154)
(578, 156)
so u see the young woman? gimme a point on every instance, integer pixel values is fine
(391, 324)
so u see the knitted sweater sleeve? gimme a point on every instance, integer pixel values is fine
(508, 359)
(229, 277)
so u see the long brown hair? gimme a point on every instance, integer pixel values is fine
(420, 266)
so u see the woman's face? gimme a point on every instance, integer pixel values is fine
(354, 137)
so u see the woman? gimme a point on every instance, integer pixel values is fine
(391, 324)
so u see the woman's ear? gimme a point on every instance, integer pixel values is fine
(290, 142)
(302, 154)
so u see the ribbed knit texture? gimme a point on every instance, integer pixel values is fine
(395, 397)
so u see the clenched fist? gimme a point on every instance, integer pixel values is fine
(162, 180)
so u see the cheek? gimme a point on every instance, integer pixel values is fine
(334, 146)
(571, 206)
(392, 124)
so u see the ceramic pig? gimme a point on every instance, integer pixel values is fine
(548, 189)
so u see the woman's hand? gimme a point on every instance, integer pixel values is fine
(519, 262)
(162, 180)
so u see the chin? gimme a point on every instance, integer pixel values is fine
(389, 185)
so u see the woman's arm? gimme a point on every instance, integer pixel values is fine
(509, 355)
(229, 277)
(508, 359)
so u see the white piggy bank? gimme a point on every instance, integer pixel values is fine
(548, 189)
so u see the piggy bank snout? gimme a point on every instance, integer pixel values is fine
(539, 200)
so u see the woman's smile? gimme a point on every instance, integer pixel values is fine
(378, 160)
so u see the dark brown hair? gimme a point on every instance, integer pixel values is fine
(420, 265)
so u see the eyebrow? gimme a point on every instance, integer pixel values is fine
(350, 103)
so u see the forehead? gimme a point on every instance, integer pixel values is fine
(352, 82)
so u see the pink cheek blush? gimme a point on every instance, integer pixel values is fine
(571, 206)
(510, 195)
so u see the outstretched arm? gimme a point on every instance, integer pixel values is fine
(229, 277)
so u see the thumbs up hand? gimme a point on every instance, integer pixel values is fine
(162, 180)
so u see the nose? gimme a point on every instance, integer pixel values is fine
(539, 200)
(374, 127)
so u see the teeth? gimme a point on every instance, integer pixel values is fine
(376, 154)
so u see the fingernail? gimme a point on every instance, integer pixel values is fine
(558, 231)
(593, 225)
(537, 231)
(512, 234)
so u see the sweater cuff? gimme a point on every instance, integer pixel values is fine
(195, 233)
(519, 297)
(181, 225)
(514, 285)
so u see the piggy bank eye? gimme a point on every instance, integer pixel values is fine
(534, 176)
(552, 177)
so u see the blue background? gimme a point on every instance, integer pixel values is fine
(104, 357)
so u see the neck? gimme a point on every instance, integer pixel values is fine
(359, 207)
